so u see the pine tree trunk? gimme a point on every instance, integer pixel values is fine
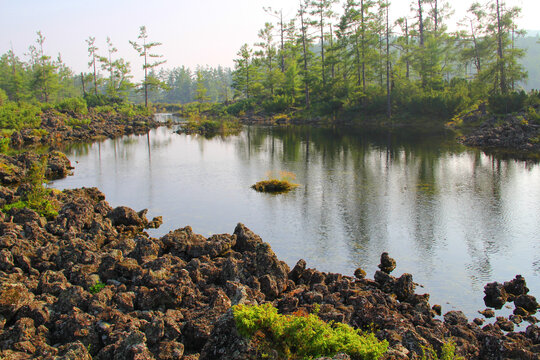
(500, 51)
(388, 97)
(305, 57)
(82, 82)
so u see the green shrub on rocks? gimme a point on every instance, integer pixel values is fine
(96, 288)
(304, 336)
(37, 197)
(447, 353)
(73, 105)
(203, 126)
(18, 116)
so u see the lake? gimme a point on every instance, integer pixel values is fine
(454, 217)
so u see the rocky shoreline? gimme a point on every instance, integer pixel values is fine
(57, 129)
(514, 132)
(92, 284)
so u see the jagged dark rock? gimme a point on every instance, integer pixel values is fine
(496, 295)
(387, 264)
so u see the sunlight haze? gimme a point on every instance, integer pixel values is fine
(208, 32)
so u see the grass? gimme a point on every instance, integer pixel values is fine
(302, 335)
(276, 185)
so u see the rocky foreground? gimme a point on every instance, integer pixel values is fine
(91, 283)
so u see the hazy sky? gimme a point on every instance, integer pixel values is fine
(205, 32)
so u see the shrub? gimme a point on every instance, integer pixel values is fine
(447, 353)
(73, 106)
(209, 128)
(303, 335)
(105, 109)
(75, 122)
(277, 103)
(4, 144)
(241, 106)
(532, 115)
(130, 110)
(97, 287)
(37, 198)
(18, 116)
(93, 100)
(507, 103)
(3, 97)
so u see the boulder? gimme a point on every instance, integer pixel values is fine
(122, 215)
(496, 295)
(527, 302)
(516, 286)
(387, 264)
(455, 318)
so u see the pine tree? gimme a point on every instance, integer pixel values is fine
(144, 51)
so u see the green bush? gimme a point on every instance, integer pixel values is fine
(46, 106)
(73, 106)
(75, 122)
(93, 100)
(448, 352)
(4, 144)
(38, 197)
(507, 103)
(278, 103)
(105, 109)
(301, 336)
(532, 115)
(18, 116)
(3, 97)
(97, 287)
(203, 126)
(131, 110)
(240, 106)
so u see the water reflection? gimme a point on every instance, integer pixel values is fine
(455, 218)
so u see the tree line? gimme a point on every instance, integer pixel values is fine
(42, 78)
(334, 56)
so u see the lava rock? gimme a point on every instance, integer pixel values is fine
(387, 264)
(527, 302)
(496, 295)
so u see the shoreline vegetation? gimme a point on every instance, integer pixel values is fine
(507, 124)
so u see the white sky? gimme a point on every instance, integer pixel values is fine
(193, 32)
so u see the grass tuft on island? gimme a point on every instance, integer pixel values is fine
(276, 186)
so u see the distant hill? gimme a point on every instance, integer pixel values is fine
(531, 60)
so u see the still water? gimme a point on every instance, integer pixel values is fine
(453, 217)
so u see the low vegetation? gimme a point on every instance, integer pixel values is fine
(37, 197)
(302, 335)
(19, 115)
(448, 352)
(96, 288)
(276, 185)
(201, 125)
